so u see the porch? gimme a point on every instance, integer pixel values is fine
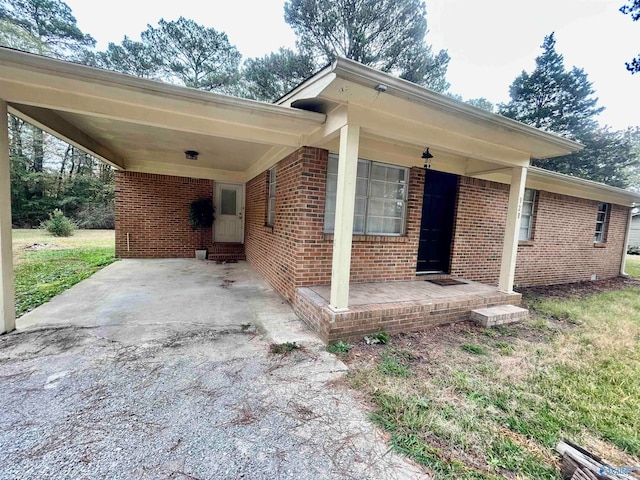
(395, 307)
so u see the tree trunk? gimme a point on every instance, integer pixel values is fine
(15, 128)
(38, 149)
(67, 153)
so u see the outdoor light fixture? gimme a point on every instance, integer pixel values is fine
(381, 88)
(426, 156)
(191, 155)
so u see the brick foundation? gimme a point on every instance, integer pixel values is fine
(391, 318)
(154, 211)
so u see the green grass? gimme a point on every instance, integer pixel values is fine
(633, 265)
(41, 275)
(475, 349)
(488, 404)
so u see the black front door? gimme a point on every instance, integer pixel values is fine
(436, 230)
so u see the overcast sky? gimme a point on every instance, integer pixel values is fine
(490, 42)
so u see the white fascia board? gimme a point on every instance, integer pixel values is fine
(358, 73)
(45, 65)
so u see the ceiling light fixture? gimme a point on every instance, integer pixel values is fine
(191, 155)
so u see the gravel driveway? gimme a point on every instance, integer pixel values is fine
(82, 398)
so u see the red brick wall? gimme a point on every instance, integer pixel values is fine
(154, 210)
(481, 218)
(562, 249)
(295, 252)
(272, 249)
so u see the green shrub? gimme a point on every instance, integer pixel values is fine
(339, 348)
(59, 225)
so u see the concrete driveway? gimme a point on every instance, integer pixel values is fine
(162, 369)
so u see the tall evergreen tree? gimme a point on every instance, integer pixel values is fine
(131, 57)
(194, 55)
(633, 9)
(50, 22)
(562, 101)
(270, 77)
(553, 98)
(386, 34)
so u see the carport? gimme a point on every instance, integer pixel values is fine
(137, 125)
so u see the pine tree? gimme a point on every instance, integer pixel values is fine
(385, 34)
(562, 101)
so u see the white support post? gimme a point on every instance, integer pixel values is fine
(512, 231)
(625, 247)
(7, 301)
(345, 205)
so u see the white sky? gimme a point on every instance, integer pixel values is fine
(490, 42)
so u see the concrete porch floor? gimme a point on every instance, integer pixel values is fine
(395, 307)
(361, 294)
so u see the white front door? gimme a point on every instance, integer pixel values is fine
(229, 224)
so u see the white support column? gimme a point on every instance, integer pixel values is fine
(512, 231)
(7, 301)
(625, 247)
(345, 204)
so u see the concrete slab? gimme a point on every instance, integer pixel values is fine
(149, 370)
(138, 300)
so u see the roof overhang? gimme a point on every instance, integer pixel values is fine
(143, 125)
(346, 82)
(399, 118)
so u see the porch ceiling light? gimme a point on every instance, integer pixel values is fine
(191, 155)
(426, 156)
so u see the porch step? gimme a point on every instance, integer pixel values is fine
(489, 317)
(224, 252)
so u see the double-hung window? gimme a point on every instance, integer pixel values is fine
(526, 218)
(271, 204)
(601, 222)
(381, 198)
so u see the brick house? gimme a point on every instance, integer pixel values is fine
(346, 194)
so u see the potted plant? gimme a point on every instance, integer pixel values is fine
(201, 216)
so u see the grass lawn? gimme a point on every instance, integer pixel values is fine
(633, 265)
(46, 265)
(476, 403)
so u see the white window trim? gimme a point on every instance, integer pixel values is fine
(603, 232)
(271, 214)
(366, 208)
(531, 217)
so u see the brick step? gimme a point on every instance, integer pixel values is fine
(489, 317)
(227, 248)
(225, 257)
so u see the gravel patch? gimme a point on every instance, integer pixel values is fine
(203, 403)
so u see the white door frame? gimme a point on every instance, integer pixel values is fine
(216, 191)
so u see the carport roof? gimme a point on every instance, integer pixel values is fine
(145, 125)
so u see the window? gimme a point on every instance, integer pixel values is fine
(381, 197)
(601, 223)
(526, 219)
(271, 205)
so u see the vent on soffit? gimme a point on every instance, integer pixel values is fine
(310, 105)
